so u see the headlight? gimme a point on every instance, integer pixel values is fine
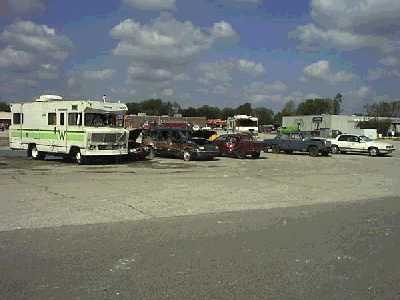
(201, 148)
(92, 147)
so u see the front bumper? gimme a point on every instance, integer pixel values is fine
(386, 151)
(205, 154)
(117, 152)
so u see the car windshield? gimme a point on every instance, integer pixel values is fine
(365, 138)
(103, 120)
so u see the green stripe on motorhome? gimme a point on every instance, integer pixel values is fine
(39, 134)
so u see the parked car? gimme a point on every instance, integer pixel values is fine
(179, 143)
(136, 149)
(360, 144)
(239, 145)
(290, 142)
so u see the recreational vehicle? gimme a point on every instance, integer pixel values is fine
(243, 123)
(76, 129)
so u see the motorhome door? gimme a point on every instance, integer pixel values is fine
(61, 131)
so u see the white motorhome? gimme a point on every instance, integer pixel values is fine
(243, 123)
(76, 129)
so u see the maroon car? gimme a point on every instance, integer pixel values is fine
(239, 145)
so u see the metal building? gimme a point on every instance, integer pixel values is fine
(327, 124)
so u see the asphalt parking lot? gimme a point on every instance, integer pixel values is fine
(279, 227)
(53, 193)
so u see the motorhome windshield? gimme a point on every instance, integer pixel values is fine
(246, 123)
(102, 120)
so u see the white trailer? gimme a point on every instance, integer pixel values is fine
(76, 129)
(243, 123)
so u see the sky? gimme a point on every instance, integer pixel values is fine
(201, 52)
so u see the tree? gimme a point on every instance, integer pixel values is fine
(315, 107)
(244, 109)
(265, 116)
(289, 109)
(337, 103)
(5, 107)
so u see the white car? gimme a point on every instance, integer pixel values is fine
(359, 143)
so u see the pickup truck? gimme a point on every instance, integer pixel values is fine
(360, 144)
(291, 142)
(239, 145)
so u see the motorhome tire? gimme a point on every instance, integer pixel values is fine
(35, 153)
(79, 158)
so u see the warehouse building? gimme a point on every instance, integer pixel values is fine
(328, 125)
(5, 120)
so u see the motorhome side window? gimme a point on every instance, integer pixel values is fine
(18, 118)
(62, 119)
(51, 119)
(75, 119)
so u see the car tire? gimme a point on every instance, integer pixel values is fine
(325, 153)
(256, 155)
(36, 154)
(151, 154)
(373, 152)
(335, 149)
(313, 151)
(275, 149)
(187, 156)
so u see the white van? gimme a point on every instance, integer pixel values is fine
(75, 129)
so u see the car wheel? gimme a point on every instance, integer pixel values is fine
(275, 149)
(373, 151)
(256, 155)
(187, 156)
(325, 153)
(36, 154)
(151, 154)
(79, 158)
(335, 149)
(313, 151)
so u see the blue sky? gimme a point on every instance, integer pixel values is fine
(216, 52)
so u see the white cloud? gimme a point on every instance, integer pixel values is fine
(36, 38)
(363, 16)
(381, 73)
(168, 92)
(15, 59)
(251, 67)
(223, 30)
(32, 53)
(312, 37)
(151, 4)
(165, 40)
(224, 71)
(351, 24)
(27, 6)
(104, 74)
(162, 49)
(261, 91)
(390, 61)
(321, 71)
(139, 73)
